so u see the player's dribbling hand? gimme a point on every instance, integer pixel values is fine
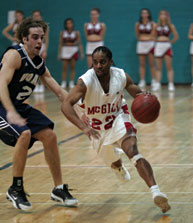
(91, 133)
(14, 118)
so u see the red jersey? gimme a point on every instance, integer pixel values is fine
(94, 28)
(145, 28)
(69, 37)
(163, 30)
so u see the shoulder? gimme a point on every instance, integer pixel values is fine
(12, 58)
(77, 32)
(172, 26)
(137, 24)
(88, 77)
(118, 72)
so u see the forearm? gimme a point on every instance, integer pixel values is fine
(70, 113)
(5, 98)
(133, 90)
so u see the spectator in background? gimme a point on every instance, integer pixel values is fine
(190, 36)
(145, 32)
(19, 16)
(36, 15)
(69, 45)
(163, 48)
(95, 32)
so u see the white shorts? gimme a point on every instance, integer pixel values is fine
(112, 138)
(145, 47)
(191, 48)
(91, 46)
(162, 48)
(67, 52)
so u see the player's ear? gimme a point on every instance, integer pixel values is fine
(24, 39)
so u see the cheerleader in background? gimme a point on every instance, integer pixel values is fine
(95, 32)
(145, 32)
(36, 15)
(19, 16)
(163, 48)
(69, 45)
(190, 36)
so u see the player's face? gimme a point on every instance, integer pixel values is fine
(33, 42)
(101, 64)
(69, 24)
(37, 16)
(144, 14)
(94, 15)
(19, 17)
(163, 15)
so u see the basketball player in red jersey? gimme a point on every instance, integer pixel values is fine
(101, 89)
(95, 32)
(163, 48)
(145, 32)
(69, 45)
(19, 16)
(190, 36)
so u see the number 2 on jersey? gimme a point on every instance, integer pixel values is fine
(109, 119)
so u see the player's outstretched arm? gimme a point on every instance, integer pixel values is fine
(73, 97)
(52, 85)
(11, 61)
(131, 88)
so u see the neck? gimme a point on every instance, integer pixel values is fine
(31, 56)
(94, 21)
(145, 20)
(105, 78)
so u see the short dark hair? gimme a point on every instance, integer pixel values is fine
(65, 22)
(36, 11)
(23, 28)
(96, 9)
(105, 50)
(20, 11)
(149, 12)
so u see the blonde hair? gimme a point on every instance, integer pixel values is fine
(167, 21)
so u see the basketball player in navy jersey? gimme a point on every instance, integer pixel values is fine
(110, 124)
(20, 124)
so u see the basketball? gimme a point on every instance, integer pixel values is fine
(145, 108)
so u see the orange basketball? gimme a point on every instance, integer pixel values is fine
(145, 108)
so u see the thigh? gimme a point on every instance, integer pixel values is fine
(168, 61)
(151, 59)
(159, 63)
(142, 60)
(9, 133)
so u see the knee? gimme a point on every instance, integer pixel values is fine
(25, 135)
(131, 149)
(50, 137)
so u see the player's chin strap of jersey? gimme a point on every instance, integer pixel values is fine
(136, 158)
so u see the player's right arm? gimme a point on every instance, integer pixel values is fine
(72, 98)
(6, 30)
(11, 61)
(190, 33)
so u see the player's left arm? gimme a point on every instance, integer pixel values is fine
(52, 85)
(131, 88)
(175, 34)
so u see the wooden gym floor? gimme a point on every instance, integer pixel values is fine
(166, 143)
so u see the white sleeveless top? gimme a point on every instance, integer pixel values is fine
(105, 109)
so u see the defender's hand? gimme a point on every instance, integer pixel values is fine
(14, 118)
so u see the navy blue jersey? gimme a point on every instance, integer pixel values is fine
(26, 77)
